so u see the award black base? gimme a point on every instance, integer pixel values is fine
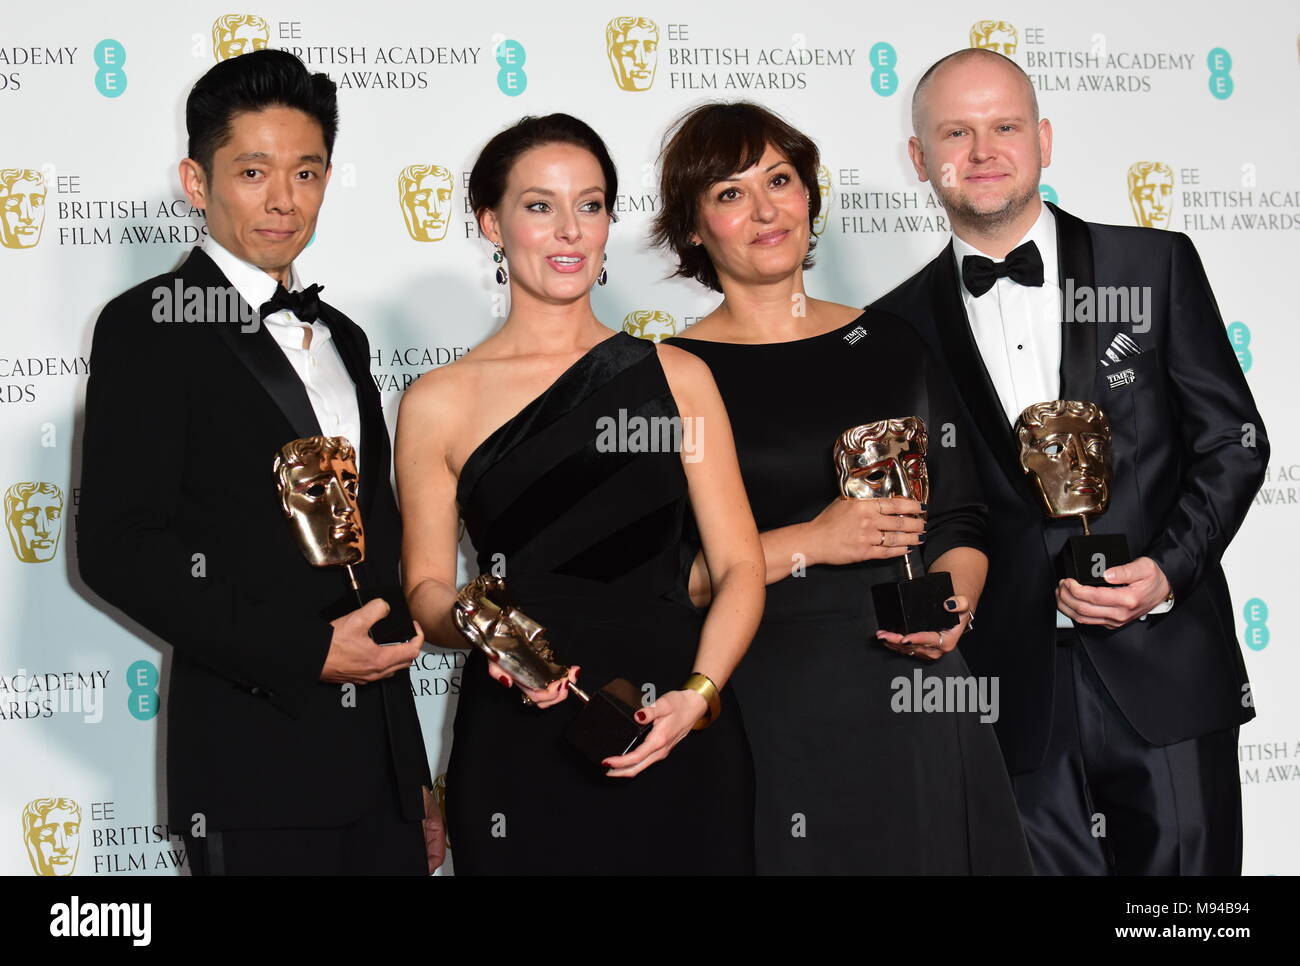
(605, 727)
(914, 605)
(1086, 558)
(397, 627)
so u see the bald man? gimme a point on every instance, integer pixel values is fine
(1120, 703)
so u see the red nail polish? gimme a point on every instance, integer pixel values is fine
(504, 681)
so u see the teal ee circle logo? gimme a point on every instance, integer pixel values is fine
(1256, 614)
(1048, 193)
(110, 79)
(883, 61)
(511, 79)
(1239, 336)
(1220, 64)
(142, 681)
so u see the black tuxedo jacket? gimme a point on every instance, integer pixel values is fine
(181, 528)
(1183, 481)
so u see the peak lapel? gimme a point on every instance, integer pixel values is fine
(1079, 343)
(374, 466)
(968, 370)
(257, 350)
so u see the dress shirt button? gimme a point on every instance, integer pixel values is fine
(1019, 347)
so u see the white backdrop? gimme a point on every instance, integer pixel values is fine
(91, 103)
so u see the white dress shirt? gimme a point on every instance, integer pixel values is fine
(1017, 329)
(330, 389)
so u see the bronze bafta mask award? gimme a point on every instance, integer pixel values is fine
(887, 459)
(1065, 449)
(605, 727)
(318, 483)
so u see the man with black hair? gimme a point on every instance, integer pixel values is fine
(293, 740)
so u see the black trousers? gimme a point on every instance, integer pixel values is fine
(377, 843)
(1104, 802)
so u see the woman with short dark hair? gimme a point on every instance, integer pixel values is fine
(853, 775)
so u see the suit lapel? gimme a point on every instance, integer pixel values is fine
(374, 432)
(256, 350)
(1079, 345)
(968, 370)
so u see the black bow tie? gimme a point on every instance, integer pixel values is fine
(1024, 265)
(304, 304)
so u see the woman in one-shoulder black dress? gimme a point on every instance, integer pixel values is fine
(586, 526)
(857, 770)
(593, 544)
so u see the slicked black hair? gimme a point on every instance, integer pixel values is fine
(253, 82)
(487, 180)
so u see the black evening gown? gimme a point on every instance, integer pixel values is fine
(592, 547)
(844, 782)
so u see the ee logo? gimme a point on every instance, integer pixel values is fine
(1220, 63)
(511, 79)
(883, 61)
(110, 79)
(1239, 336)
(1048, 193)
(1256, 614)
(142, 681)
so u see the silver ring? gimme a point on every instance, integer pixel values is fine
(941, 638)
(911, 651)
(882, 538)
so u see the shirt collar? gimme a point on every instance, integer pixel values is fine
(1042, 233)
(252, 284)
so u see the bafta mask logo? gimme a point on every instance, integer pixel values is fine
(424, 191)
(318, 484)
(52, 834)
(34, 518)
(1065, 449)
(633, 47)
(22, 201)
(238, 33)
(823, 189)
(996, 35)
(1151, 193)
(650, 324)
(884, 459)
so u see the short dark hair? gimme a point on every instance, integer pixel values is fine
(253, 82)
(712, 142)
(487, 179)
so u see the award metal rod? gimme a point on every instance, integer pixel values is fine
(1084, 518)
(356, 587)
(483, 645)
